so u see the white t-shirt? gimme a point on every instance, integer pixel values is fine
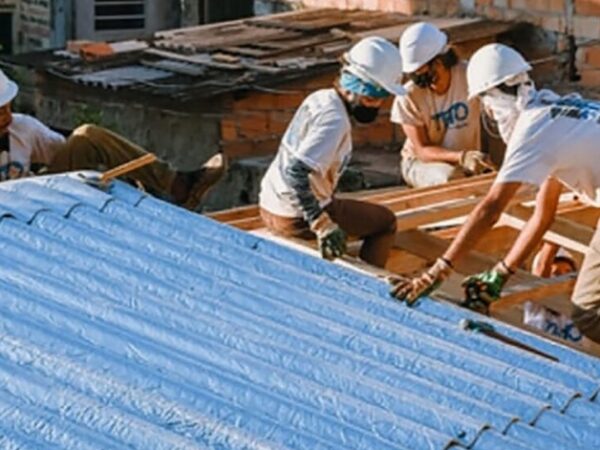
(30, 142)
(450, 120)
(319, 135)
(559, 137)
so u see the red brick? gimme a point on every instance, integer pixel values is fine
(289, 101)
(408, 7)
(587, 7)
(553, 22)
(279, 121)
(557, 6)
(237, 149)
(592, 56)
(590, 77)
(228, 129)
(253, 125)
(256, 101)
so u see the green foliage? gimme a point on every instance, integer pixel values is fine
(88, 114)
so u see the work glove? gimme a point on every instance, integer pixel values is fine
(485, 288)
(475, 162)
(330, 237)
(411, 289)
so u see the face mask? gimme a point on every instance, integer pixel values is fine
(505, 108)
(362, 114)
(423, 80)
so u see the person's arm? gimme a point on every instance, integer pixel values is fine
(486, 287)
(423, 149)
(481, 219)
(296, 174)
(541, 220)
(479, 222)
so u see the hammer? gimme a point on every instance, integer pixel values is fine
(106, 177)
(488, 330)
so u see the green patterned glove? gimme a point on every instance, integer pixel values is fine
(486, 287)
(331, 238)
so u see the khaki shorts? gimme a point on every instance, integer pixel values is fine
(586, 295)
(419, 174)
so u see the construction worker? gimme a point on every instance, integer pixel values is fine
(441, 125)
(26, 144)
(551, 142)
(297, 192)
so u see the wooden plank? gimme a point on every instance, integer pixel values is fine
(413, 218)
(306, 26)
(451, 190)
(289, 15)
(537, 291)
(563, 232)
(242, 212)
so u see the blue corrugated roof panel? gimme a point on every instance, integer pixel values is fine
(126, 322)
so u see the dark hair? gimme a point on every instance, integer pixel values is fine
(449, 58)
(566, 260)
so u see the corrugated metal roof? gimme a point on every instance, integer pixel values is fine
(126, 322)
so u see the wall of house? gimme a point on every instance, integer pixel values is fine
(8, 28)
(157, 15)
(254, 124)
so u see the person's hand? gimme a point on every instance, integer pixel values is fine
(475, 162)
(411, 289)
(485, 288)
(330, 237)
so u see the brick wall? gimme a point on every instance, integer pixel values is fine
(549, 14)
(433, 7)
(580, 18)
(254, 124)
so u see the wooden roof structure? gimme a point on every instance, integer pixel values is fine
(428, 219)
(207, 60)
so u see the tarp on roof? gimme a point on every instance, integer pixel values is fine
(126, 322)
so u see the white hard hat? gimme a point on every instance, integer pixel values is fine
(8, 89)
(419, 44)
(377, 60)
(492, 65)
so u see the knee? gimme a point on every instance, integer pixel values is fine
(89, 131)
(85, 130)
(390, 221)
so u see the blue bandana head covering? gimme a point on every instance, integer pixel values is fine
(358, 86)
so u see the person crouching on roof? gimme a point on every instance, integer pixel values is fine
(26, 143)
(441, 124)
(297, 192)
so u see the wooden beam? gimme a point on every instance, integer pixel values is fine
(563, 232)
(520, 293)
(432, 214)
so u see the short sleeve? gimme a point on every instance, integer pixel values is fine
(45, 142)
(406, 112)
(319, 147)
(527, 163)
